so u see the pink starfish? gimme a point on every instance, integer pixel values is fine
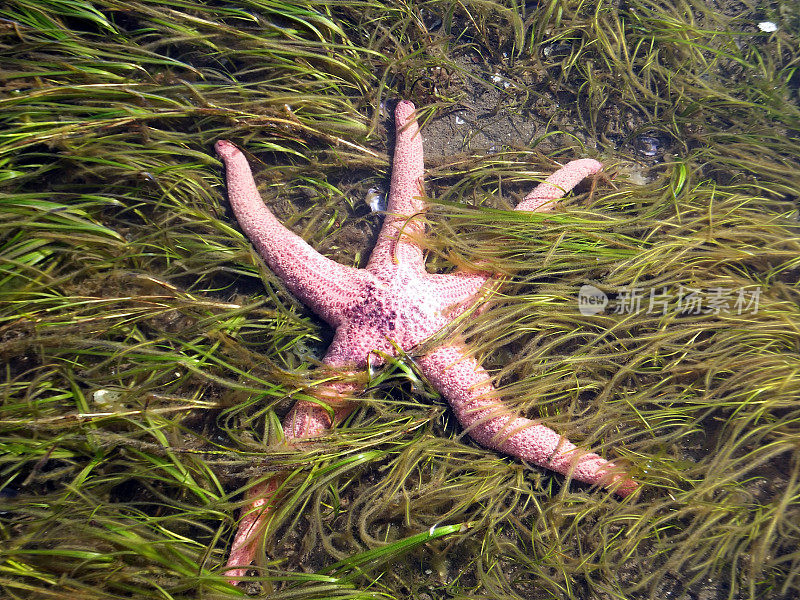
(394, 302)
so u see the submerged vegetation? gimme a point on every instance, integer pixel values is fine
(149, 353)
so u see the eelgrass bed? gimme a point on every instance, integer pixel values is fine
(149, 353)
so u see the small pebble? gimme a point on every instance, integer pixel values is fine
(648, 145)
(106, 397)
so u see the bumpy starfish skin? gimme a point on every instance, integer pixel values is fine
(391, 303)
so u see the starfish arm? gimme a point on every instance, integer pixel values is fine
(258, 501)
(469, 390)
(544, 195)
(457, 292)
(325, 286)
(406, 198)
(307, 419)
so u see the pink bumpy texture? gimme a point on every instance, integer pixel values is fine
(391, 303)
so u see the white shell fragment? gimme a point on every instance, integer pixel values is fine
(767, 26)
(375, 199)
(106, 397)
